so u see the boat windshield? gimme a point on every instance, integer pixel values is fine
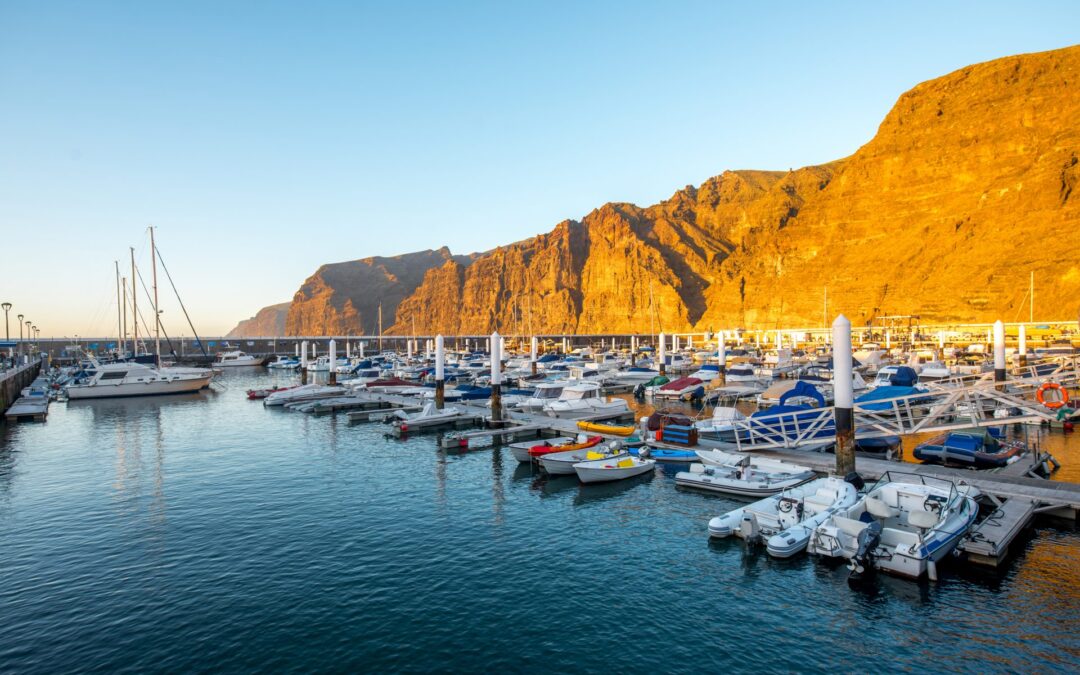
(548, 392)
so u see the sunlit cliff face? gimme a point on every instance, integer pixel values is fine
(967, 188)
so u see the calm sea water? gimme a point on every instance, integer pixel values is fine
(210, 533)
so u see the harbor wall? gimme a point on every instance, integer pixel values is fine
(13, 381)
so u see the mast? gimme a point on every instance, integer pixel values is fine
(123, 340)
(119, 310)
(157, 313)
(134, 308)
(1031, 298)
(380, 326)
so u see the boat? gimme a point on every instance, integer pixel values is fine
(722, 424)
(284, 363)
(111, 380)
(612, 468)
(677, 388)
(610, 429)
(520, 450)
(982, 448)
(236, 358)
(562, 463)
(307, 392)
(583, 399)
(579, 443)
(741, 372)
(905, 524)
(429, 416)
(256, 394)
(786, 521)
(742, 475)
(545, 392)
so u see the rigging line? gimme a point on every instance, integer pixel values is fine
(149, 299)
(181, 301)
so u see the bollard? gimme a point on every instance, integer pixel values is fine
(496, 379)
(663, 354)
(440, 372)
(721, 358)
(843, 396)
(333, 361)
(999, 354)
(303, 362)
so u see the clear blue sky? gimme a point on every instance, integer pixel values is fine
(264, 139)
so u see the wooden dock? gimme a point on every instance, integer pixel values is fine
(28, 408)
(988, 542)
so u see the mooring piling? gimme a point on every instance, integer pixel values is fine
(843, 396)
(440, 371)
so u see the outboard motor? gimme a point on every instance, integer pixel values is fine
(862, 563)
(750, 531)
(644, 452)
(855, 480)
(639, 391)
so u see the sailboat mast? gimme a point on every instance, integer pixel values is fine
(380, 327)
(123, 334)
(157, 313)
(134, 308)
(1031, 298)
(119, 310)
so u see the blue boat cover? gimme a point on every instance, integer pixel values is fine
(885, 394)
(803, 389)
(905, 376)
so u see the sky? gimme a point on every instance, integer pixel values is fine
(264, 139)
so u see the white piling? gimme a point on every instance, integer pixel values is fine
(496, 377)
(1021, 348)
(333, 361)
(663, 354)
(888, 339)
(440, 371)
(999, 351)
(843, 396)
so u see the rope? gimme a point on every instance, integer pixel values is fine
(181, 301)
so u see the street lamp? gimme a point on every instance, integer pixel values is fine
(7, 328)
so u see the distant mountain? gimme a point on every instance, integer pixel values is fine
(269, 322)
(968, 186)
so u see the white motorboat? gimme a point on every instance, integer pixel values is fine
(520, 450)
(584, 400)
(612, 468)
(905, 524)
(429, 416)
(562, 463)
(741, 372)
(742, 475)
(136, 379)
(788, 519)
(235, 359)
(308, 392)
(284, 363)
(722, 425)
(545, 393)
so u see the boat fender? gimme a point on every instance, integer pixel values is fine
(1063, 394)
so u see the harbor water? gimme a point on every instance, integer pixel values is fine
(207, 532)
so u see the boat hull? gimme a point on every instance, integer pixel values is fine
(127, 390)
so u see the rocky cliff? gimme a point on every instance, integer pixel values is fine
(967, 187)
(270, 321)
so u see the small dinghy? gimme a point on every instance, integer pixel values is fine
(787, 520)
(580, 443)
(611, 429)
(905, 524)
(520, 450)
(256, 394)
(429, 416)
(980, 448)
(612, 468)
(742, 475)
(562, 463)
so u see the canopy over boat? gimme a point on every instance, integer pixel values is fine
(803, 390)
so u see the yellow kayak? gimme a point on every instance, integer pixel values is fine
(605, 428)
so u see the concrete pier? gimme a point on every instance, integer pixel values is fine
(14, 381)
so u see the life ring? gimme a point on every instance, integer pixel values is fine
(1053, 405)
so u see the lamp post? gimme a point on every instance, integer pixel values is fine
(7, 327)
(28, 324)
(20, 318)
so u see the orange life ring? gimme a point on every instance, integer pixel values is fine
(1053, 405)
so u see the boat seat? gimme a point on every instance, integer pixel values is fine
(880, 509)
(819, 502)
(923, 520)
(849, 526)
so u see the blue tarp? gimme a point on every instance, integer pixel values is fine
(905, 376)
(803, 389)
(886, 394)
